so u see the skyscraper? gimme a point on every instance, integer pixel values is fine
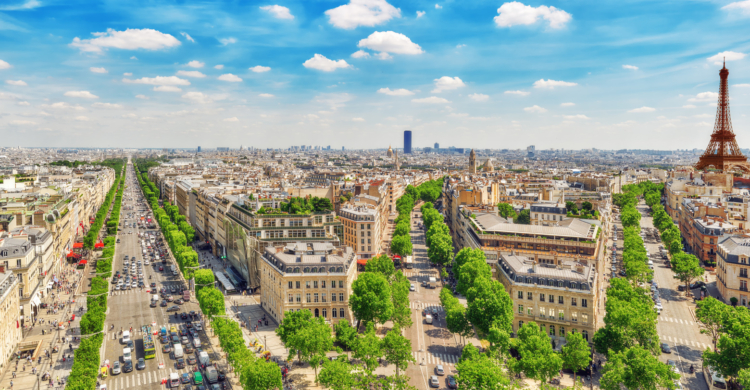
(407, 142)
(199, 149)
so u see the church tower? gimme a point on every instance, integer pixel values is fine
(472, 162)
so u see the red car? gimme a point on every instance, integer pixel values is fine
(161, 268)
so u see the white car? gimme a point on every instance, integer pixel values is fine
(434, 382)
(412, 288)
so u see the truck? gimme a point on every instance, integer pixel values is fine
(203, 359)
(409, 262)
(432, 283)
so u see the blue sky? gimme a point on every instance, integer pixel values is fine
(481, 74)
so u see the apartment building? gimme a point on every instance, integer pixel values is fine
(28, 252)
(548, 213)
(362, 228)
(702, 223)
(11, 332)
(315, 276)
(733, 268)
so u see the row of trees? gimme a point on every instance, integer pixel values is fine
(728, 328)
(438, 236)
(401, 240)
(307, 205)
(90, 239)
(428, 191)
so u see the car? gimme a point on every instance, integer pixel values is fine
(161, 268)
(174, 308)
(141, 365)
(128, 366)
(434, 382)
(425, 283)
(132, 258)
(439, 370)
(665, 348)
(185, 378)
(673, 365)
(167, 348)
(412, 287)
(184, 340)
(116, 368)
(180, 363)
(165, 339)
(191, 359)
(697, 284)
(193, 332)
(184, 316)
(434, 311)
(130, 345)
(222, 374)
(451, 381)
(170, 298)
(153, 284)
(117, 287)
(187, 387)
(164, 303)
(198, 327)
(173, 289)
(681, 287)
(175, 339)
(192, 314)
(216, 386)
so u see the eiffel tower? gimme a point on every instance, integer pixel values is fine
(722, 152)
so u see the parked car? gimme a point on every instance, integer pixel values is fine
(434, 382)
(116, 368)
(665, 348)
(141, 364)
(697, 284)
(451, 381)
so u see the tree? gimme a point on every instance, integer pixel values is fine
(337, 374)
(470, 272)
(457, 322)
(636, 368)
(402, 229)
(506, 210)
(481, 373)
(687, 267)
(369, 349)
(292, 323)
(464, 256)
(401, 245)
(211, 301)
(441, 249)
(469, 352)
(312, 342)
(731, 353)
(571, 206)
(524, 218)
(587, 206)
(489, 305)
(437, 228)
(381, 264)
(628, 321)
(261, 375)
(346, 335)
(538, 360)
(743, 377)
(712, 315)
(576, 354)
(400, 288)
(397, 350)
(371, 298)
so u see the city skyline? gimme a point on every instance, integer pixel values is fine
(503, 75)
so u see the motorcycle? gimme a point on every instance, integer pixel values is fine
(692, 370)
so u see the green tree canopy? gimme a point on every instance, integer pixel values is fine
(371, 298)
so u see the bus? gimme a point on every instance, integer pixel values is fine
(149, 348)
(409, 262)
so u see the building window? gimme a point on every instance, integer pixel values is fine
(318, 233)
(341, 297)
(743, 272)
(529, 296)
(573, 301)
(315, 284)
(333, 312)
(308, 298)
(584, 303)
(322, 284)
(585, 335)
(341, 282)
(520, 324)
(333, 297)
(551, 330)
(297, 233)
(341, 312)
(530, 311)
(291, 298)
(574, 316)
(290, 284)
(541, 297)
(585, 320)
(297, 283)
(562, 328)
(299, 298)
(743, 285)
(520, 295)
(561, 300)
(542, 312)
(551, 298)
(323, 297)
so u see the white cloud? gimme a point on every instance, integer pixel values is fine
(358, 119)
(64, 106)
(431, 100)
(420, 14)
(519, 93)
(228, 41)
(390, 42)
(515, 13)
(741, 6)
(260, 69)
(630, 67)
(360, 54)
(478, 97)
(578, 116)
(81, 94)
(362, 13)
(8, 96)
(728, 55)
(134, 58)
(535, 109)
(195, 64)
(97, 70)
(232, 119)
(395, 92)
(266, 95)
(190, 73)
(568, 104)
(220, 67)
(144, 97)
(551, 84)
(4, 65)
(447, 83)
(187, 36)
(111, 106)
(741, 85)
(198, 97)
(82, 118)
(688, 106)
(460, 45)
(438, 6)
(383, 56)
(642, 109)
(158, 80)
(703, 116)
(24, 103)
(18, 83)
(130, 39)
(167, 88)
(705, 97)
(229, 77)
(320, 62)
(127, 74)
(22, 122)
(130, 115)
(279, 12)
(29, 4)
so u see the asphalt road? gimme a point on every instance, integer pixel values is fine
(130, 308)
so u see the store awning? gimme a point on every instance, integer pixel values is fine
(49, 285)
(99, 245)
(35, 301)
(78, 245)
(82, 262)
(362, 261)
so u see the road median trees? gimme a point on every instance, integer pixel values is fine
(687, 268)
(537, 358)
(371, 298)
(636, 368)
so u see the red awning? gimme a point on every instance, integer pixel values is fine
(72, 254)
(99, 245)
(78, 245)
(396, 257)
(82, 262)
(362, 261)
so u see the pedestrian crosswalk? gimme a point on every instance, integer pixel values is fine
(436, 358)
(430, 306)
(139, 378)
(126, 292)
(689, 343)
(676, 320)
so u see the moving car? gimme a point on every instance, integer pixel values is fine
(665, 348)
(174, 308)
(434, 382)
(116, 368)
(451, 381)
(128, 366)
(412, 287)
(141, 364)
(439, 370)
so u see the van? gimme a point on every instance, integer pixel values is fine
(126, 355)
(203, 358)
(125, 336)
(428, 319)
(178, 353)
(651, 264)
(186, 295)
(174, 380)
(172, 268)
(212, 375)
(196, 342)
(433, 282)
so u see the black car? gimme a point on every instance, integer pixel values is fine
(167, 348)
(184, 316)
(175, 339)
(128, 366)
(222, 374)
(451, 380)
(153, 284)
(141, 365)
(697, 284)
(180, 363)
(164, 303)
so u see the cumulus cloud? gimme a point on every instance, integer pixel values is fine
(519, 93)
(4, 65)
(741, 85)
(167, 88)
(220, 67)
(320, 62)
(551, 84)
(81, 94)
(24, 103)
(390, 42)
(383, 56)
(144, 97)
(227, 41)
(229, 77)
(516, 13)
(360, 54)
(578, 116)
(190, 73)
(478, 97)
(82, 118)
(630, 67)
(420, 14)
(232, 119)
(279, 12)
(718, 59)
(195, 64)
(362, 13)
(395, 92)
(260, 69)
(447, 83)
(158, 80)
(21, 122)
(63, 106)
(111, 106)
(705, 97)
(642, 109)
(431, 100)
(134, 58)
(187, 36)
(127, 74)
(198, 97)
(358, 119)
(535, 109)
(741, 6)
(130, 115)
(97, 70)
(438, 6)
(568, 104)
(130, 39)
(266, 95)
(18, 83)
